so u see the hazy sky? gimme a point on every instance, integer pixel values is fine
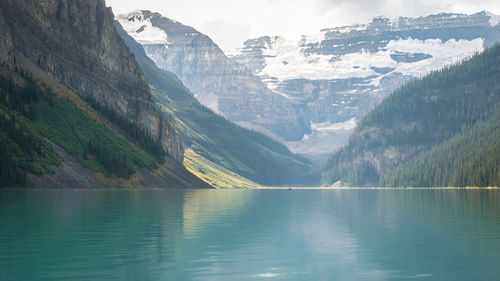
(230, 22)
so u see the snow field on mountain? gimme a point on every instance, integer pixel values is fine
(142, 30)
(286, 59)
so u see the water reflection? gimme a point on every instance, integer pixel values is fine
(249, 235)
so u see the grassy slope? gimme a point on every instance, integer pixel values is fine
(71, 123)
(214, 174)
(246, 153)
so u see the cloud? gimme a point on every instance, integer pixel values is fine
(230, 22)
(226, 34)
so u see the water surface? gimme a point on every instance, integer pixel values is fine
(250, 235)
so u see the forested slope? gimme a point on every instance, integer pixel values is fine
(247, 153)
(435, 131)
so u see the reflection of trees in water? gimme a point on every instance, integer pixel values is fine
(184, 235)
(450, 233)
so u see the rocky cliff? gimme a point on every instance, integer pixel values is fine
(337, 75)
(218, 82)
(75, 42)
(219, 148)
(75, 109)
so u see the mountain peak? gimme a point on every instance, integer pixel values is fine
(494, 19)
(139, 25)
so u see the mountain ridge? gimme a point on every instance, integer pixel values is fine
(64, 59)
(341, 73)
(325, 80)
(218, 82)
(422, 133)
(247, 153)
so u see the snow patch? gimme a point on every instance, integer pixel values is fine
(141, 29)
(443, 53)
(328, 126)
(347, 28)
(494, 19)
(313, 38)
(285, 59)
(326, 138)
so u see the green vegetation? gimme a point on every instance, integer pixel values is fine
(132, 130)
(435, 131)
(113, 162)
(30, 112)
(214, 174)
(244, 152)
(21, 149)
(471, 158)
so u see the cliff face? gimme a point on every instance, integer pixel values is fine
(218, 82)
(75, 42)
(341, 73)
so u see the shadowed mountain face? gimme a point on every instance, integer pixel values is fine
(72, 47)
(75, 42)
(218, 82)
(315, 88)
(245, 152)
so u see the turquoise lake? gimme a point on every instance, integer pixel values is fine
(250, 235)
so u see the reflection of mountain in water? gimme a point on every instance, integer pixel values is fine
(243, 235)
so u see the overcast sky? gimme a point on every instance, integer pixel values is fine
(230, 22)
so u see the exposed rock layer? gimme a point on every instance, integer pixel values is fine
(76, 43)
(218, 82)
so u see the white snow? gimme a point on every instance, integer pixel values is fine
(141, 29)
(348, 28)
(328, 126)
(314, 38)
(325, 138)
(443, 54)
(494, 19)
(285, 59)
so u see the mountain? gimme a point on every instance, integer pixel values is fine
(336, 76)
(219, 151)
(439, 130)
(218, 82)
(75, 108)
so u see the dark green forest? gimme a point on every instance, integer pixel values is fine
(439, 130)
(31, 114)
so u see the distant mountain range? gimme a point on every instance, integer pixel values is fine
(438, 131)
(309, 93)
(218, 82)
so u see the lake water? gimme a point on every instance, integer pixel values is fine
(250, 235)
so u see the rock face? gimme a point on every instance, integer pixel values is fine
(218, 82)
(317, 86)
(339, 74)
(75, 42)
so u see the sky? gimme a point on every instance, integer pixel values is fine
(230, 22)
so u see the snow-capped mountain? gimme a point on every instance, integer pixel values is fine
(218, 82)
(311, 91)
(338, 74)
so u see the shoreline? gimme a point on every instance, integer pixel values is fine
(372, 188)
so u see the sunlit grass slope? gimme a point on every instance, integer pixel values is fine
(214, 174)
